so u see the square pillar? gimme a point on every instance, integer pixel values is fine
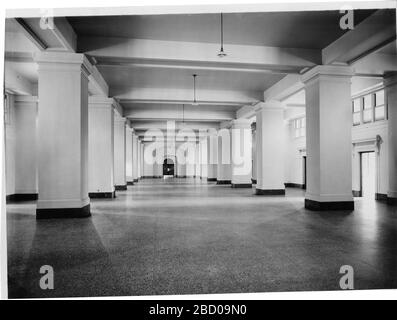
(212, 155)
(241, 144)
(390, 82)
(25, 148)
(135, 158)
(203, 158)
(197, 160)
(120, 182)
(128, 153)
(143, 159)
(254, 157)
(100, 147)
(270, 148)
(62, 135)
(224, 172)
(329, 139)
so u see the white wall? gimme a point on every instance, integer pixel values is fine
(10, 148)
(25, 144)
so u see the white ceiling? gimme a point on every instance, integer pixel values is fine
(127, 76)
(315, 29)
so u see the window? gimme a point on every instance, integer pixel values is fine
(380, 110)
(369, 108)
(300, 127)
(356, 112)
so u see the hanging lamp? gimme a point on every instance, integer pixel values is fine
(195, 103)
(222, 53)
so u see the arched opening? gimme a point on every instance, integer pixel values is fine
(168, 167)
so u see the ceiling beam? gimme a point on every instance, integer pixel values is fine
(185, 96)
(191, 113)
(124, 51)
(370, 35)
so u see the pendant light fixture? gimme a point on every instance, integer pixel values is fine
(195, 103)
(222, 53)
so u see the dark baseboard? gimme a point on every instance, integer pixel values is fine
(357, 193)
(381, 197)
(392, 201)
(181, 176)
(253, 181)
(130, 183)
(223, 182)
(211, 179)
(135, 180)
(16, 197)
(99, 195)
(331, 206)
(63, 213)
(270, 192)
(294, 185)
(120, 187)
(241, 185)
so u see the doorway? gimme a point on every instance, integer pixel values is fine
(368, 175)
(168, 167)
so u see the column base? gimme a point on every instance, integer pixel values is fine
(253, 181)
(294, 185)
(22, 197)
(357, 194)
(130, 183)
(331, 206)
(211, 179)
(241, 185)
(95, 195)
(63, 213)
(270, 192)
(392, 201)
(381, 197)
(223, 182)
(135, 180)
(120, 187)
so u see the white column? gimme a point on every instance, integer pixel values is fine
(100, 147)
(241, 144)
(212, 155)
(142, 160)
(390, 82)
(120, 182)
(224, 172)
(135, 157)
(63, 135)
(254, 157)
(329, 139)
(128, 155)
(197, 164)
(203, 158)
(139, 158)
(25, 148)
(270, 148)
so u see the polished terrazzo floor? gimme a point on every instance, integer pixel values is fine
(186, 236)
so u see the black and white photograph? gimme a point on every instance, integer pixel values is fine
(185, 150)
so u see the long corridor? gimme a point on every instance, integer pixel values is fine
(190, 236)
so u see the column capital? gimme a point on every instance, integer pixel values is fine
(25, 99)
(101, 101)
(48, 60)
(212, 132)
(390, 79)
(270, 104)
(328, 71)
(241, 124)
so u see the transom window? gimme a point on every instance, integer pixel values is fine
(369, 108)
(300, 127)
